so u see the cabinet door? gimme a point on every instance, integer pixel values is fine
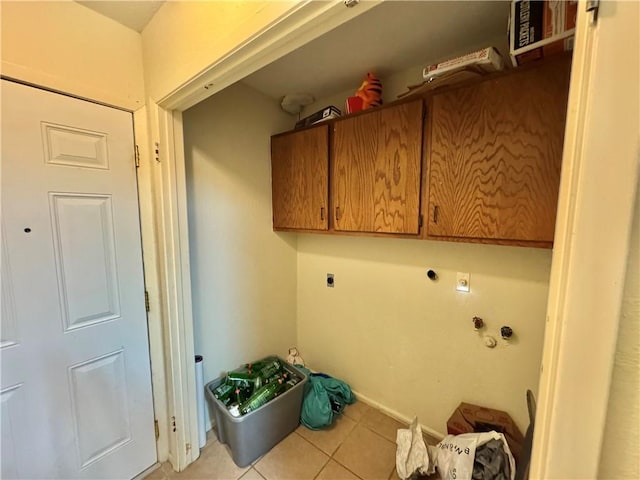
(299, 179)
(376, 168)
(495, 156)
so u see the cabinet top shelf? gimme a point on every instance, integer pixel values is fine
(562, 58)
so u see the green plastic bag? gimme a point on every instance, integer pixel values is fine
(324, 399)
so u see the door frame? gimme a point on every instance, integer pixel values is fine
(600, 171)
(567, 342)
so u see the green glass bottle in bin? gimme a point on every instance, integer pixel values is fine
(242, 394)
(275, 377)
(292, 382)
(254, 367)
(245, 380)
(270, 368)
(224, 392)
(262, 396)
(241, 376)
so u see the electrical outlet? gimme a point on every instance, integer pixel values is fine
(330, 280)
(462, 282)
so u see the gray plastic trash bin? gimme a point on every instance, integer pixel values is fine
(254, 434)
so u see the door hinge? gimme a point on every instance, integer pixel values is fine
(593, 6)
(156, 152)
(173, 423)
(420, 220)
(156, 428)
(146, 301)
(137, 155)
(187, 448)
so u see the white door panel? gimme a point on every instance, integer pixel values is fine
(11, 404)
(88, 282)
(76, 341)
(8, 330)
(102, 422)
(65, 145)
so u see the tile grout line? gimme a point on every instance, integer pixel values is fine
(379, 434)
(331, 457)
(250, 468)
(357, 422)
(347, 468)
(340, 445)
(323, 467)
(360, 422)
(328, 456)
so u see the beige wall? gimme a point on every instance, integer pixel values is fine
(243, 274)
(68, 47)
(186, 37)
(621, 445)
(407, 342)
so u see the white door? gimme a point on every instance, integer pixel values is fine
(75, 387)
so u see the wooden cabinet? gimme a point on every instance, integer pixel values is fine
(492, 155)
(376, 170)
(495, 152)
(299, 179)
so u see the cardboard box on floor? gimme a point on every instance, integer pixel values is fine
(468, 418)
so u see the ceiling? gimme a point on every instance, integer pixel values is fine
(132, 14)
(387, 39)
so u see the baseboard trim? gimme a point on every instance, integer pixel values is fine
(396, 415)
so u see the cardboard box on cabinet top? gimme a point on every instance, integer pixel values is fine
(539, 28)
(468, 418)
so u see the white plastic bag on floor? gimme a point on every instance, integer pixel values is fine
(412, 455)
(456, 454)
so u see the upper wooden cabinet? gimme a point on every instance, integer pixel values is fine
(376, 170)
(299, 179)
(495, 153)
(492, 152)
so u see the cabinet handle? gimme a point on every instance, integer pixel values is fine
(435, 214)
(321, 213)
(337, 213)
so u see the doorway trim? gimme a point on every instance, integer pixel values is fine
(595, 212)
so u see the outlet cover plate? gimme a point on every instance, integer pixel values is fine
(330, 280)
(462, 282)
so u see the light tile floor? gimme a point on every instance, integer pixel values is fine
(360, 445)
